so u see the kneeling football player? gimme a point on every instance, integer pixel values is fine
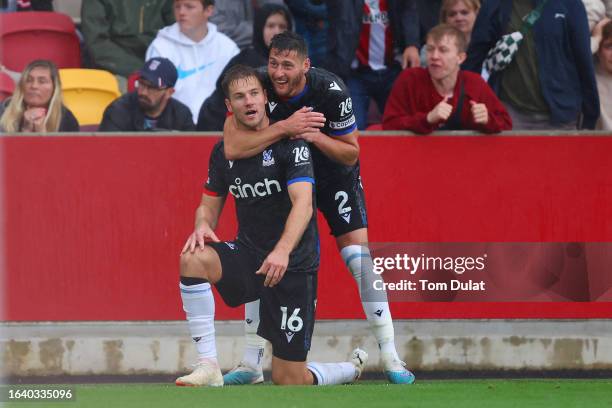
(274, 257)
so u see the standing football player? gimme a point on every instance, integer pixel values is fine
(300, 95)
(274, 257)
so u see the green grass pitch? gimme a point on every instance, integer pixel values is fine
(434, 393)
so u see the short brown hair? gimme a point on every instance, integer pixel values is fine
(236, 73)
(442, 30)
(446, 4)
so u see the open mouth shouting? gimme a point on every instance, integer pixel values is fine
(251, 114)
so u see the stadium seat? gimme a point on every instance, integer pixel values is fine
(87, 92)
(38, 35)
(7, 86)
(131, 81)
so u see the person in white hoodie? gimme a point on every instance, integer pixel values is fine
(196, 48)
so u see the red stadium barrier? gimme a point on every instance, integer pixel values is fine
(93, 226)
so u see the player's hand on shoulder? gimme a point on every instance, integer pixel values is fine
(198, 238)
(303, 120)
(274, 266)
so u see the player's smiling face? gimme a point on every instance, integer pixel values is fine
(287, 70)
(247, 102)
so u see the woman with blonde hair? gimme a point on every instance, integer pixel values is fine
(460, 14)
(36, 105)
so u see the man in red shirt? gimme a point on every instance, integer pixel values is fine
(441, 96)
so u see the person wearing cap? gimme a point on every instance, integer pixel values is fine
(151, 106)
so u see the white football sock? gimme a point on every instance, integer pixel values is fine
(333, 373)
(199, 307)
(254, 350)
(375, 305)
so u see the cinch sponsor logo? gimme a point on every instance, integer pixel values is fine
(342, 125)
(259, 189)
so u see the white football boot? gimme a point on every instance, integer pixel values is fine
(206, 374)
(359, 358)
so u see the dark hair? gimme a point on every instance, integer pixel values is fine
(289, 41)
(606, 32)
(206, 3)
(262, 14)
(236, 73)
(443, 30)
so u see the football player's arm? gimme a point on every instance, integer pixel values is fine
(343, 149)
(275, 264)
(206, 217)
(240, 144)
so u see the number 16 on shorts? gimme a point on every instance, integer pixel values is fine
(294, 323)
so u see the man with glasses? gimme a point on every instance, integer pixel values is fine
(151, 107)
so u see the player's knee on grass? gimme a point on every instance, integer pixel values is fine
(203, 264)
(290, 372)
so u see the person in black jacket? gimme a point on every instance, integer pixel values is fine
(151, 107)
(36, 106)
(270, 20)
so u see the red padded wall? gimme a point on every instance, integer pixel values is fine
(93, 226)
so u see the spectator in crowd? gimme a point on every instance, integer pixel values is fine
(603, 73)
(364, 37)
(460, 14)
(270, 20)
(36, 104)
(311, 23)
(198, 51)
(550, 81)
(26, 5)
(597, 11)
(151, 107)
(117, 32)
(428, 16)
(441, 96)
(234, 18)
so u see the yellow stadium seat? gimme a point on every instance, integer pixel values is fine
(87, 92)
